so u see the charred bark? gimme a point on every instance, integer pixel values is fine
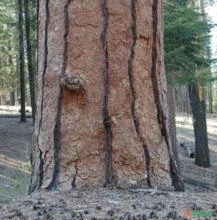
(200, 129)
(109, 177)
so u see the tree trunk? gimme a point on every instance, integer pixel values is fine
(172, 124)
(210, 99)
(200, 129)
(10, 63)
(182, 99)
(3, 99)
(102, 117)
(31, 68)
(12, 98)
(21, 62)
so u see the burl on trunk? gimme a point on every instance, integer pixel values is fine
(102, 116)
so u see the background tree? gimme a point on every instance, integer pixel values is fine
(102, 117)
(187, 47)
(8, 75)
(172, 124)
(21, 62)
(9, 50)
(30, 57)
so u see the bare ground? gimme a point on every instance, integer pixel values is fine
(111, 204)
(200, 194)
(15, 144)
(188, 168)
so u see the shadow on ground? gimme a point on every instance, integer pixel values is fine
(15, 145)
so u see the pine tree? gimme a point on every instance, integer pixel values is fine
(102, 117)
(188, 62)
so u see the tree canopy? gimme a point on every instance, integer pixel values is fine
(187, 44)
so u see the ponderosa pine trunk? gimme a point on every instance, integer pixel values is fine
(102, 116)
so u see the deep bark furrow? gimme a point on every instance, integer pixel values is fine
(75, 176)
(154, 69)
(57, 144)
(41, 166)
(57, 130)
(41, 170)
(176, 180)
(133, 89)
(109, 180)
(130, 64)
(65, 36)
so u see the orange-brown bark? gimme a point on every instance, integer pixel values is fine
(102, 116)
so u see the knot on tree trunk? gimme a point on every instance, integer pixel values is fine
(72, 83)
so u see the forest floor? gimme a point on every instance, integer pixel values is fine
(207, 176)
(198, 200)
(15, 145)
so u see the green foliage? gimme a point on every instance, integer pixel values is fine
(33, 23)
(187, 44)
(9, 77)
(8, 45)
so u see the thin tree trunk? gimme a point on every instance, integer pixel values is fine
(31, 68)
(172, 124)
(12, 97)
(3, 100)
(17, 82)
(102, 118)
(210, 108)
(182, 99)
(200, 129)
(37, 50)
(21, 62)
(202, 7)
(10, 62)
